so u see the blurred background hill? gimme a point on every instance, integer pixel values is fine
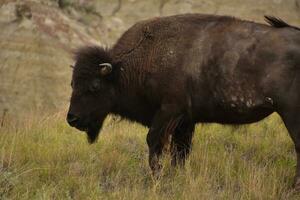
(37, 39)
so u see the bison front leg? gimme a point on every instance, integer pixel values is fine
(182, 142)
(163, 126)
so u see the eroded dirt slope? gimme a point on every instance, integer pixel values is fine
(37, 39)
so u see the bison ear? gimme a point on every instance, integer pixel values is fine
(106, 68)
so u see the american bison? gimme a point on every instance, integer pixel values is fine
(171, 72)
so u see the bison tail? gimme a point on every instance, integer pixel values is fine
(278, 23)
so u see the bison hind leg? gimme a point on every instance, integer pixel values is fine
(291, 120)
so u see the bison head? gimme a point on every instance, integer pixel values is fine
(93, 91)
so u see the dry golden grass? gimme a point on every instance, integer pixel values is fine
(45, 159)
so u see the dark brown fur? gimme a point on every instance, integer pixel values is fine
(170, 73)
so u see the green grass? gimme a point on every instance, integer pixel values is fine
(45, 159)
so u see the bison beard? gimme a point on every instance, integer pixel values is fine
(93, 131)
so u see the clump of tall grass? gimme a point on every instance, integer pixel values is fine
(43, 158)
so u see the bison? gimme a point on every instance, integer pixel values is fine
(172, 72)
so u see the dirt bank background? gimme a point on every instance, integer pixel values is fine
(37, 39)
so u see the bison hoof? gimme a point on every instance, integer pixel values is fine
(297, 183)
(156, 168)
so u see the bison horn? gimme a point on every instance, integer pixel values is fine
(106, 68)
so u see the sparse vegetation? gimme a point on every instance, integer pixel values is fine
(45, 159)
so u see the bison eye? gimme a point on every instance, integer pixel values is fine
(95, 86)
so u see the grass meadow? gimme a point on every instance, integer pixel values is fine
(43, 158)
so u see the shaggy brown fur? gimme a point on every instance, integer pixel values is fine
(172, 72)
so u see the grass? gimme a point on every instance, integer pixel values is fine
(45, 159)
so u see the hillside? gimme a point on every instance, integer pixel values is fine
(37, 39)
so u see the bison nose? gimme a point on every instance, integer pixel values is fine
(72, 119)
